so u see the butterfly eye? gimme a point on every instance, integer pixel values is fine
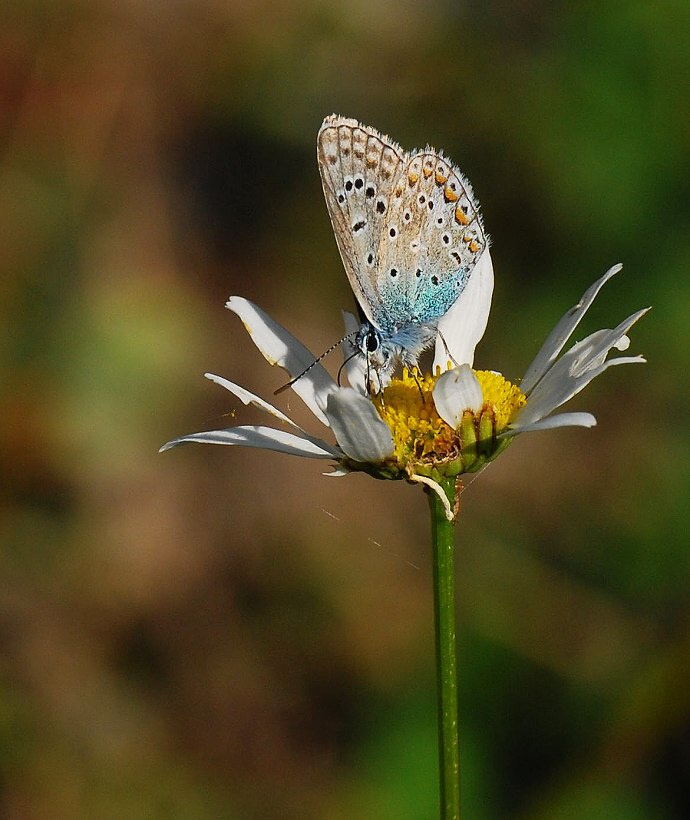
(371, 341)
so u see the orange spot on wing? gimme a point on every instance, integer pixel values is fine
(450, 195)
(461, 216)
(413, 177)
(440, 179)
(427, 172)
(473, 246)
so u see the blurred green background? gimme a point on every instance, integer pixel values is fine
(221, 633)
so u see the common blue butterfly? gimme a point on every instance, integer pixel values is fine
(409, 232)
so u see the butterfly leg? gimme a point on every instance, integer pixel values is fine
(448, 353)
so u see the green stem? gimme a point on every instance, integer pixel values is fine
(446, 651)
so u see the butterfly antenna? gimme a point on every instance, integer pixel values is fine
(315, 362)
(342, 366)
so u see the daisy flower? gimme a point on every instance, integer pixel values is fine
(424, 428)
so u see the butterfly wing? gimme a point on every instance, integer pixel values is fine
(360, 168)
(408, 226)
(432, 240)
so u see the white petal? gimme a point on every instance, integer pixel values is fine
(351, 322)
(550, 423)
(338, 472)
(359, 430)
(455, 391)
(250, 398)
(355, 364)
(575, 370)
(462, 327)
(266, 438)
(562, 332)
(280, 347)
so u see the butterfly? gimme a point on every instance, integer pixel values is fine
(409, 232)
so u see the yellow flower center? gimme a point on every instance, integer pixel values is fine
(501, 396)
(425, 444)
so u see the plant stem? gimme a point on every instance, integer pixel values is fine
(442, 532)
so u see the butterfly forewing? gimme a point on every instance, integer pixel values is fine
(359, 170)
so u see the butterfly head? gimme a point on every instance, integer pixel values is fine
(375, 348)
(384, 351)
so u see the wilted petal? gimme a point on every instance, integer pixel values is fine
(462, 327)
(266, 438)
(605, 340)
(359, 430)
(435, 487)
(575, 370)
(562, 332)
(455, 391)
(280, 347)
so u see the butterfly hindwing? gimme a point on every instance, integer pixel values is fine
(431, 242)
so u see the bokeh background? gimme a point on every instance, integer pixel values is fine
(221, 633)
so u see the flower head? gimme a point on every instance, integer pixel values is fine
(424, 443)
(425, 427)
